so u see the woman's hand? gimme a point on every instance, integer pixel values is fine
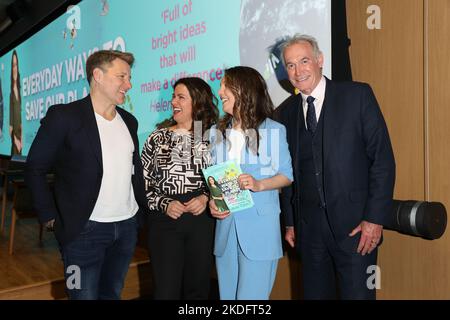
(215, 211)
(247, 182)
(197, 205)
(175, 209)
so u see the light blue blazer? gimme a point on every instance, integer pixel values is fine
(257, 228)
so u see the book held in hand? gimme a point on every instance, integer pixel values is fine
(222, 181)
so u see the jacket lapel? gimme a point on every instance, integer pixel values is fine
(130, 129)
(92, 129)
(330, 119)
(297, 119)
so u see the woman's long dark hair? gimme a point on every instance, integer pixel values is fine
(215, 182)
(12, 95)
(204, 104)
(252, 104)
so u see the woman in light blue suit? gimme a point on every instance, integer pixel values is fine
(248, 242)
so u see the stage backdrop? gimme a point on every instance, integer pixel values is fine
(170, 39)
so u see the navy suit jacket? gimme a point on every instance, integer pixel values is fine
(358, 162)
(68, 144)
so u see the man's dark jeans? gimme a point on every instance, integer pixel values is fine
(97, 261)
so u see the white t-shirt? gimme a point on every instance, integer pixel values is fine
(116, 201)
(237, 141)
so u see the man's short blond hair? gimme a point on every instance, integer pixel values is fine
(103, 58)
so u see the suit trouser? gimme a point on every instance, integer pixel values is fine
(330, 271)
(181, 256)
(241, 278)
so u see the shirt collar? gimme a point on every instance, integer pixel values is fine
(319, 91)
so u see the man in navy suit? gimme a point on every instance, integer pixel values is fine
(92, 147)
(344, 172)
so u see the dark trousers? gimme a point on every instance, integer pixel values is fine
(181, 255)
(97, 261)
(329, 271)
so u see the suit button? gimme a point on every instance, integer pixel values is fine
(317, 173)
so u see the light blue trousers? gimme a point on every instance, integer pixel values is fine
(241, 278)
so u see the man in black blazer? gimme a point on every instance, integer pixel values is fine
(92, 147)
(344, 176)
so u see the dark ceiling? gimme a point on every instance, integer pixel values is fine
(5, 21)
(19, 19)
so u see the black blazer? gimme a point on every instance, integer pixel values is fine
(68, 143)
(358, 162)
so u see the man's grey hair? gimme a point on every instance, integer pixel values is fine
(298, 38)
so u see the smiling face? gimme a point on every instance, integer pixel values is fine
(211, 181)
(182, 106)
(304, 68)
(227, 97)
(113, 81)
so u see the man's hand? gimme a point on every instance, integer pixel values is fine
(289, 236)
(215, 211)
(197, 205)
(175, 209)
(370, 236)
(49, 225)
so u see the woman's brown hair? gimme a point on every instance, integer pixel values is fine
(252, 104)
(204, 104)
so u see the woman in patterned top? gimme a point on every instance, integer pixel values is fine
(180, 228)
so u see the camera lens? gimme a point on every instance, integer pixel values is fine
(418, 218)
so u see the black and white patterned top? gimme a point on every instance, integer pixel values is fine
(172, 165)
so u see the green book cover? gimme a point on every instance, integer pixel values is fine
(222, 181)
